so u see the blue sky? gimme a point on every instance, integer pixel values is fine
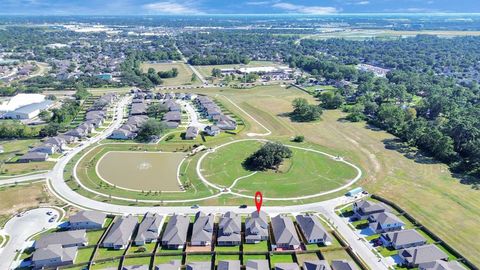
(185, 7)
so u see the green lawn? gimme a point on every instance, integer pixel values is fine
(138, 249)
(227, 248)
(84, 255)
(280, 258)
(305, 173)
(247, 258)
(360, 224)
(198, 258)
(336, 255)
(94, 236)
(167, 259)
(184, 76)
(224, 257)
(106, 264)
(307, 257)
(81, 267)
(262, 246)
(387, 252)
(104, 253)
(137, 261)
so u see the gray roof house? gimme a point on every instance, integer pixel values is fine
(170, 124)
(77, 132)
(256, 227)
(45, 148)
(58, 141)
(53, 256)
(284, 233)
(202, 230)
(343, 265)
(286, 266)
(316, 265)
(212, 130)
(67, 138)
(149, 229)
(174, 116)
(385, 222)
(172, 265)
(175, 234)
(191, 133)
(87, 220)
(229, 230)
(229, 265)
(136, 267)
(312, 230)
(257, 265)
(199, 266)
(138, 109)
(120, 233)
(412, 257)
(403, 239)
(363, 209)
(33, 157)
(65, 239)
(122, 134)
(441, 265)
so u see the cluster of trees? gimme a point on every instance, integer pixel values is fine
(168, 74)
(422, 100)
(268, 157)
(304, 112)
(150, 129)
(225, 59)
(16, 130)
(66, 113)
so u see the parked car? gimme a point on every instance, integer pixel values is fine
(243, 206)
(195, 206)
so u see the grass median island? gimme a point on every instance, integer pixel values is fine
(305, 173)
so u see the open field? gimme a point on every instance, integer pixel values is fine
(184, 73)
(140, 170)
(21, 198)
(361, 34)
(12, 150)
(429, 190)
(303, 174)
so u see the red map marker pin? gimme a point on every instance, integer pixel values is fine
(258, 200)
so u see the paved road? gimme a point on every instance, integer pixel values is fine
(25, 178)
(20, 229)
(59, 187)
(193, 116)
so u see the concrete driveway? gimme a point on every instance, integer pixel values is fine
(21, 228)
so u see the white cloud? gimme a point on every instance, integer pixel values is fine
(305, 9)
(171, 7)
(363, 3)
(258, 3)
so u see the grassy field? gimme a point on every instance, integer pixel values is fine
(166, 259)
(184, 76)
(137, 261)
(22, 197)
(106, 264)
(153, 171)
(12, 150)
(84, 255)
(305, 173)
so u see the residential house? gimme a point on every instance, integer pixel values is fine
(149, 229)
(136, 267)
(191, 133)
(77, 132)
(229, 230)
(312, 230)
(286, 266)
(403, 239)
(138, 109)
(363, 209)
(59, 142)
(199, 266)
(33, 157)
(225, 122)
(284, 233)
(68, 139)
(171, 125)
(414, 256)
(53, 256)
(256, 227)
(87, 220)
(172, 106)
(66, 239)
(316, 265)
(343, 265)
(122, 134)
(202, 230)
(385, 222)
(175, 235)
(172, 265)
(120, 233)
(228, 265)
(88, 127)
(212, 130)
(441, 265)
(172, 117)
(45, 148)
(257, 265)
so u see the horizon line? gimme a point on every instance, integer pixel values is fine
(249, 14)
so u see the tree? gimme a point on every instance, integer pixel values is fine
(194, 77)
(331, 100)
(304, 112)
(50, 130)
(45, 115)
(81, 93)
(149, 129)
(156, 110)
(299, 138)
(269, 156)
(216, 72)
